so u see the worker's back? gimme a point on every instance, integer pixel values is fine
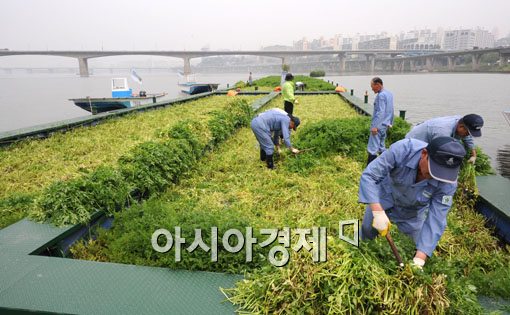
(274, 118)
(433, 128)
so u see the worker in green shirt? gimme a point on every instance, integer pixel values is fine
(288, 94)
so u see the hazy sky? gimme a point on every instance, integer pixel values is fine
(225, 24)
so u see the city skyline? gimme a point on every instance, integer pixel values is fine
(224, 24)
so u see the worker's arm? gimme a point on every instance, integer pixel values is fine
(435, 222)
(472, 159)
(276, 137)
(286, 132)
(470, 144)
(379, 110)
(371, 180)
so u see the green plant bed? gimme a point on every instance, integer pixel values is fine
(317, 73)
(147, 169)
(31, 165)
(312, 84)
(232, 188)
(14, 208)
(232, 182)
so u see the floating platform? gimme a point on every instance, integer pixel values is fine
(33, 283)
(46, 130)
(494, 203)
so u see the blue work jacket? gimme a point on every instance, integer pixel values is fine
(391, 181)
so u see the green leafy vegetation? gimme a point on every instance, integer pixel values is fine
(317, 73)
(28, 168)
(75, 200)
(14, 208)
(148, 169)
(346, 136)
(231, 188)
(240, 84)
(312, 84)
(398, 130)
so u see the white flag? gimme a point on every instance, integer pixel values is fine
(135, 76)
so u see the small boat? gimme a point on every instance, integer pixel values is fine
(192, 87)
(122, 97)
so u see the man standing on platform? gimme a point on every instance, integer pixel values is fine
(288, 94)
(382, 119)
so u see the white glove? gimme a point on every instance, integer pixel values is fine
(381, 222)
(294, 150)
(472, 160)
(296, 101)
(418, 262)
(278, 149)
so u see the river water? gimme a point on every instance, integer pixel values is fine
(27, 100)
(425, 96)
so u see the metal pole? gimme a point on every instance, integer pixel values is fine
(394, 249)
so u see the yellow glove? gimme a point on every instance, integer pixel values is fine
(381, 222)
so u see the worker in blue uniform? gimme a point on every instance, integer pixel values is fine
(267, 127)
(458, 127)
(412, 185)
(382, 119)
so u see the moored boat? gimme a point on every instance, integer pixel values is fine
(191, 87)
(196, 88)
(122, 97)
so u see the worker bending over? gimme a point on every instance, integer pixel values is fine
(412, 184)
(458, 127)
(267, 127)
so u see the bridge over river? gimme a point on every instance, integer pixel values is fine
(393, 58)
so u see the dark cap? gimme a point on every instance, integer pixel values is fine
(445, 157)
(289, 77)
(296, 121)
(474, 124)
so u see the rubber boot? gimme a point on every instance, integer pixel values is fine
(269, 161)
(262, 155)
(371, 157)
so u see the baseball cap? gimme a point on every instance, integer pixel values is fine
(296, 121)
(474, 123)
(445, 157)
(289, 77)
